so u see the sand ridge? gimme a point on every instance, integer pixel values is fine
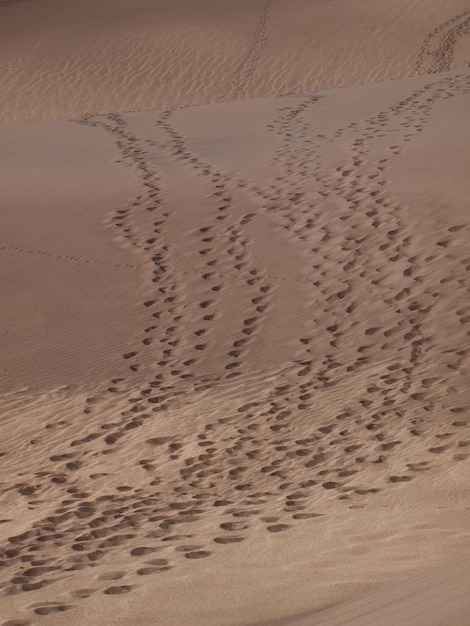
(50, 340)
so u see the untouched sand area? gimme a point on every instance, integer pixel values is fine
(234, 386)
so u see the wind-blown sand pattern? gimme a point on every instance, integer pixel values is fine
(61, 59)
(235, 336)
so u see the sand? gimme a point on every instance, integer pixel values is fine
(235, 313)
(62, 58)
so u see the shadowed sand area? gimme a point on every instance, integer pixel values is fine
(234, 335)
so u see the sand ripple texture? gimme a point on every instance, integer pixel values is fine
(294, 404)
(62, 59)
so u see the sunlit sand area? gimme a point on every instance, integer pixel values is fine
(235, 313)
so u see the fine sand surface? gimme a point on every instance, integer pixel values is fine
(234, 385)
(434, 598)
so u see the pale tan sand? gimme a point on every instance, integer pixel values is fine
(62, 58)
(431, 599)
(69, 290)
(261, 409)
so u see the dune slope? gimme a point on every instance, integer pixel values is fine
(287, 425)
(61, 58)
(234, 385)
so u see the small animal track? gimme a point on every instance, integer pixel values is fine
(62, 258)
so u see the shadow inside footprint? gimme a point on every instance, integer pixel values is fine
(200, 554)
(48, 610)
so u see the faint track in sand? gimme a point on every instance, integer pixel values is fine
(243, 74)
(63, 257)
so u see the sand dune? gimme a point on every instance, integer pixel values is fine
(62, 58)
(234, 335)
(286, 428)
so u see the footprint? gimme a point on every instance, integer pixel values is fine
(82, 593)
(205, 304)
(129, 355)
(49, 609)
(419, 467)
(118, 590)
(225, 540)
(111, 576)
(158, 441)
(330, 485)
(277, 528)
(233, 526)
(199, 554)
(146, 571)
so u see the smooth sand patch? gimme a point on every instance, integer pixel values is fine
(69, 291)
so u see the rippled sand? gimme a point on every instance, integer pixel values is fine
(235, 373)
